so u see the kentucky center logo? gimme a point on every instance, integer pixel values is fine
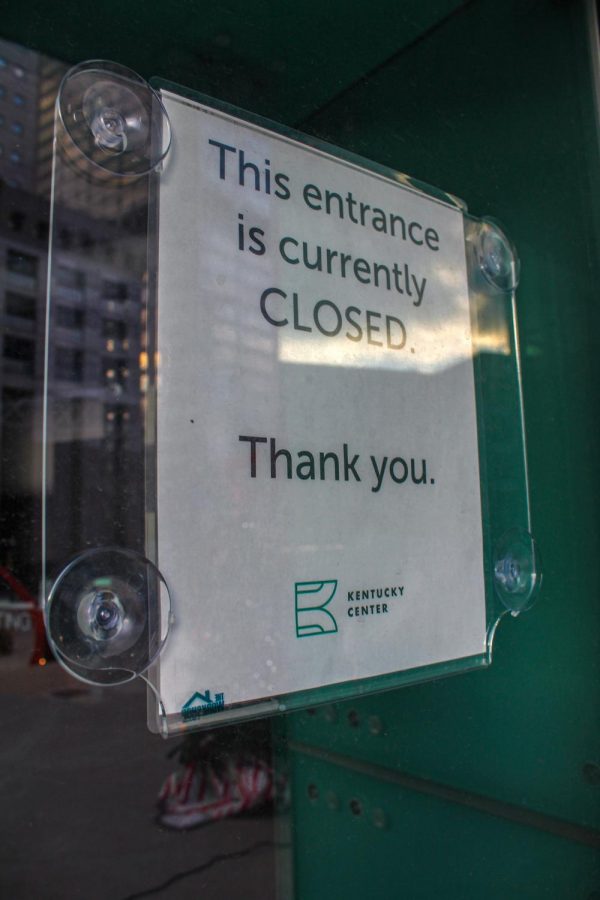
(311, 616)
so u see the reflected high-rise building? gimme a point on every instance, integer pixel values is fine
(19, 88)
(96, 317)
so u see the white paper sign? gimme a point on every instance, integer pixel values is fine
(319, 512)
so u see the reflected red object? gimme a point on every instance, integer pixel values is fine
(41, 652)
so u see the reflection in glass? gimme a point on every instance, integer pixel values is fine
(86, 772)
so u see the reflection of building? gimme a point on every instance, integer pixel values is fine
(96, 319)
(23, 261)
(93, 362)
(19, 84)
(95, 464)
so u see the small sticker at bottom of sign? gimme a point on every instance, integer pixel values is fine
(202, 705)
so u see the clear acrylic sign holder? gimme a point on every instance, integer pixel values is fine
(113, 612)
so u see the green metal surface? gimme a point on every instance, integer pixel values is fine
(495, 103)
(506, 118)
(366, 838)
(279, 59)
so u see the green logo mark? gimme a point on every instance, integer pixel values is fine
(311, 616)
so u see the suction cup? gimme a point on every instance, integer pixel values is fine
(108, 615)
(497, 256)
(517, 570)
(112, 119)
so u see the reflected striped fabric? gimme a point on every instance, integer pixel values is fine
(200, 792)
